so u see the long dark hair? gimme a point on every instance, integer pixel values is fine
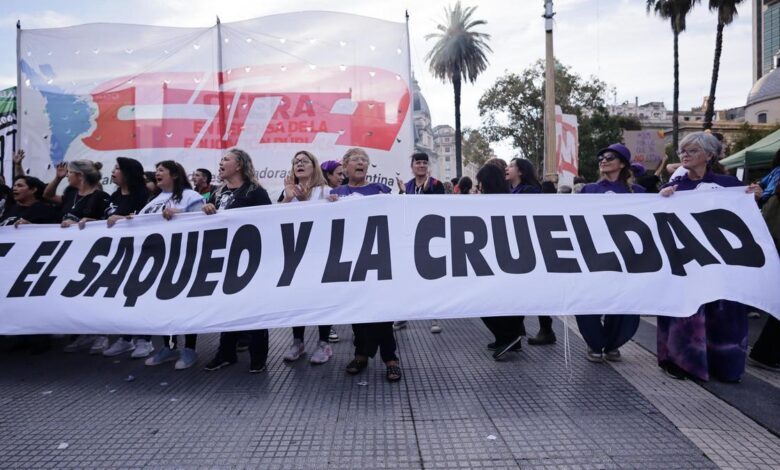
(491, 179)
(465, 185)
(133, 174)
(179, 175)
(527, 172)
(626, 177)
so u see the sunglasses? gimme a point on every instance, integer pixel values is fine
(606, 158)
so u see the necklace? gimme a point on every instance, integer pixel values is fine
(76, 201)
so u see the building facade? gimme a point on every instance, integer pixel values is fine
(766, 36)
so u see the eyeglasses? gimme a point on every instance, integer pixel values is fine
(358, 158)
(690, 151)
(606, 158)
(302, 161)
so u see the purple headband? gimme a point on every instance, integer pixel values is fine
(330, 166)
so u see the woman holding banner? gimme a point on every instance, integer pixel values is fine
(368, 336)
(239, 188)
(307, 183)
(422, 183)
(521, 176)
(507, 330)
(129, 198)
(334, 175)
(28, 207)
(605, 335)
(176, 196)
(82, 201)
(713, 341)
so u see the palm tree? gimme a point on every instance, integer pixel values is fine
(675, 11)
(459, 53)
(727, 11)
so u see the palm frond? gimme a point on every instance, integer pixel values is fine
(459, 49)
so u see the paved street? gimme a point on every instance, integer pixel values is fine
(455, 408)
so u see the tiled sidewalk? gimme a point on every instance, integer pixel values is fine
(455, 408)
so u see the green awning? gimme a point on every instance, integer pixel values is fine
(757, 155)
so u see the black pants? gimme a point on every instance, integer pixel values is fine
(370, 336)
(609, 335)
(258, 345)
(767, 346)
(189, 341)
(505, 329)
(545, 323)
(323, 329)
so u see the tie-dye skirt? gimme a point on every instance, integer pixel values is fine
(712, 342)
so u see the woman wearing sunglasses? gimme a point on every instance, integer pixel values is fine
(605, 337)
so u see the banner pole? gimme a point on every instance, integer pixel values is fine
(220, 86)
(410, 131)
(18, 97)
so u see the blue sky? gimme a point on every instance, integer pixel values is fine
(612, 39)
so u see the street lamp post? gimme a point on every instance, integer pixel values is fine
(550, 163)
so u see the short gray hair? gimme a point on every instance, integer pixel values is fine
(708, 142)
(88, 168)
(354, 151)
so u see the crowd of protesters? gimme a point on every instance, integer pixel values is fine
(712, 343)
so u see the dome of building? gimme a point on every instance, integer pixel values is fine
(419, 105)
(766, 88)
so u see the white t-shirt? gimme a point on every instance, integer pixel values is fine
(679, 173)
(317, 194)
(190, 201)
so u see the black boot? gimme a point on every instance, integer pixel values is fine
(545, 336)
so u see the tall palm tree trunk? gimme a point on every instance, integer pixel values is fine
(714, 82)
(458, 158)
(676, 96)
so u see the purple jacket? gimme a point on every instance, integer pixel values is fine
(687, 184)
(605, 186)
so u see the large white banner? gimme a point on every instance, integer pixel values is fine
(316, 81)
(380, 258)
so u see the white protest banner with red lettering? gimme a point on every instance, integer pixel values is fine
(383, 258)
(317, 81)
(567, 146)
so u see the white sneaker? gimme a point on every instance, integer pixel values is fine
(322, 354)
(81, 342)
(435, 327)
(100, 345)
(187, 359)
(295, 351)
(142, 349)
(119, 347)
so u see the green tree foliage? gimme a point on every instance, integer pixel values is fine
(513, 109)
(748, 135)
(460, 53)
(476, 148)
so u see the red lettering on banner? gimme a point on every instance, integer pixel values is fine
(163, 111)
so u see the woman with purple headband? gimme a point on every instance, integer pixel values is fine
(333, 172)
